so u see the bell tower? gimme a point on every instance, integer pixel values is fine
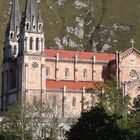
(30, 59)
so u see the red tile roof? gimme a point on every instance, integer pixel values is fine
(81, 55)
(52, 84)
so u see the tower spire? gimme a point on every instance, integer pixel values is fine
(32, 16)
(12, 32)
(15, 18)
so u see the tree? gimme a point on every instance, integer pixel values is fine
(111, 98)
(95, 124)
(35, 121)
(131, 123)
(136, 103)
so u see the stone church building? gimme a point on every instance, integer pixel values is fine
(58, 78)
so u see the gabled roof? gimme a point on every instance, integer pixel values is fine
(130, 50)
(70, 85)
(80, 55)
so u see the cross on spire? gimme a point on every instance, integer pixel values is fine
(132, 42)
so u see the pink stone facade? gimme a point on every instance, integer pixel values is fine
(71, 98)
(58, 78)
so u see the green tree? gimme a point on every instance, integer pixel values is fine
(111, 97)
(95, 124)
(35, 121)
(136, 104)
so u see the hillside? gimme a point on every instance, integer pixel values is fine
(85, 25)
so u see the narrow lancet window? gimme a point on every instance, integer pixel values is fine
(47, 72)
(85, 73)
(31, 43)
(74, 102)
(66, 72)
(27, 26)
(37, 43)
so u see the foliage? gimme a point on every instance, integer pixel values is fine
(95, 124)
(31, 121)
(131, 123)
(111, 97)
(137, 103)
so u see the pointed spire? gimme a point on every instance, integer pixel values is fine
(39, 17)
(15, 18)
(32, 15)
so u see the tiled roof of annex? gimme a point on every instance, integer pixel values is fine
(80, 55)
(70, 85)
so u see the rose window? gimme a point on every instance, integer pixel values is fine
(133, 74)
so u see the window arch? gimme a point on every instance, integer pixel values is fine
(37, 43)
(31, 43)
(66, 72)
(15, 50)
(85, 73)
(74, 102)
(47, 72)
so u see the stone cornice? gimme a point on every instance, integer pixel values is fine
(72, 60)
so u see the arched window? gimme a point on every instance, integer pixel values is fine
(85, 73)
(31, 43)
(74, 102)
(66, 72)
(37, 43)
(15, 50)
(47, 72)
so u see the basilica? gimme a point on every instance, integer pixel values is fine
(58, 78)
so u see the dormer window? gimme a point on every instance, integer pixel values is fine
(27, 26)
(40, 26)
(33, 27)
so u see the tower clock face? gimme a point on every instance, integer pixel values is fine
(34, 65)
